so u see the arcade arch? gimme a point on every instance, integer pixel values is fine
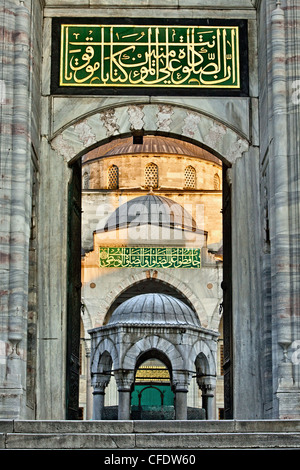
(152, 395)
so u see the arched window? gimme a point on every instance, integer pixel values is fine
(113, 177)
(86, 180)
(151, 175)
(190, 177)
(216, 182)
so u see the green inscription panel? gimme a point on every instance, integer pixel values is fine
(152, 257)
(149, 56)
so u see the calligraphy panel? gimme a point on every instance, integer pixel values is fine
(149, 257)
(150, 56)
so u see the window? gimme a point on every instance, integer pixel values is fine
(221, 359)
(151, 175)
(190, 177)
(86, 180)
(216, 182)
(113, 177)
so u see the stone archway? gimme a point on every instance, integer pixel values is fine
(90, 130)
(163, 277)
(152, 396)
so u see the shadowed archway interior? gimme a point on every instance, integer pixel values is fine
(147, 286)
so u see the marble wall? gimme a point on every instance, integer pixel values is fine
(19, 146)
(279, 158)
(258, 136)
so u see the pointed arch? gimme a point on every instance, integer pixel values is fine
(217, 182)
(84, 133)
(203, 357)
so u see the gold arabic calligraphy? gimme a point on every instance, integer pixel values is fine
(150, 257)
(116, 55)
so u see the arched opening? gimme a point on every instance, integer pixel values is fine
(133, 164)
(151, 176)
(206, 383)
(213, 249)
(152, 396)
(190, 177)
(148, 285)
(113, 177)
(101, 373)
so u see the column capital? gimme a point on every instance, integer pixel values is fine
(87, 344)
(99, 382)
(206, 383)
(181, 381)
(124, 379)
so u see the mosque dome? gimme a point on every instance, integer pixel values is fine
(154, 309)
(151, 145)
(150, 209)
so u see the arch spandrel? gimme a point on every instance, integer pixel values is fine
(81, 136)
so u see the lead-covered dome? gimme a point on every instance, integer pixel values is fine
(150, 209)
(156, 145)
(154, 309)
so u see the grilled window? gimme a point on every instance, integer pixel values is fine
(113, 177)
(190, 177)
(151, 176)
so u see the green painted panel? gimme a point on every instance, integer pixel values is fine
(152, 396)
(149, 257)
(95, 55)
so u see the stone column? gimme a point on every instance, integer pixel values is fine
(124, 404)
(15, 219)
(98, 403)
(89, 393)
(208, 402)
(181, 404)
(124, 380)
(207, 386)
(98, 396)
(181, 383)
(281, 242)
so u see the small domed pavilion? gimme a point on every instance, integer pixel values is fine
(157, 327)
